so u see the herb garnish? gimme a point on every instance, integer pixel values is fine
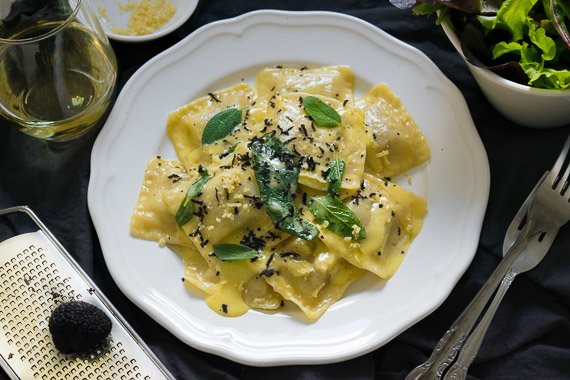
(334, 176)
(321, 113)
(330, 211)
(232, 252)
(277, 173)
(337, 217)
(186, 209)
(221, 125)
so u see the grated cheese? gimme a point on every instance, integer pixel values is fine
(146, 16)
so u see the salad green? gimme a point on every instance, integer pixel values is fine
(523, 40)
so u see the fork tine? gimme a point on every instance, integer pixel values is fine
(554, 174)
(563, 184)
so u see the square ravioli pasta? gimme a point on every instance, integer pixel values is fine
(229, 209)
(318, 145)
(273, 203)
(335, 82)
(308, 274)
(392, 217)
(151, 219)
(186, 125)
(397, 143)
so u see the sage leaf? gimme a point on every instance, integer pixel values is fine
(221, 125)
(335, 173)
(232, 252)
(185, 211)
(277, 174)
(337, 217)
(321, 113)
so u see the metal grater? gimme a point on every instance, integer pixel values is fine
(36, 275)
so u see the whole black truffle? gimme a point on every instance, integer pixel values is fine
(78, 327)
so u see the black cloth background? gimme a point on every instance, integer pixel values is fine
(530, 335)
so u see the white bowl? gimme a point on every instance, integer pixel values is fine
(115, 18)
(524, 105)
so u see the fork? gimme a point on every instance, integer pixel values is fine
(548, 210)
(540, 246)
(533, 255)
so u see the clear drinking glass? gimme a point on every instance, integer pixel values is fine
(57, 69)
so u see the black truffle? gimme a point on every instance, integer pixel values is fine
(78, 327)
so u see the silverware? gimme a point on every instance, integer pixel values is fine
(548, 209)
(540, 245)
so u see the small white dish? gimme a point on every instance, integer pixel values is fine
(111, 14)
(218, 55)
(524, 105)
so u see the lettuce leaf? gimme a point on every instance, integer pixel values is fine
(527, 41)
(503, 48)
(546, 44)
(530, 41)
(512, 16)
(539, 75)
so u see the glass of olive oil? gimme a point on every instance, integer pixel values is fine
(57, 68)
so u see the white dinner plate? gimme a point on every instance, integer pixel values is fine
(455, 183)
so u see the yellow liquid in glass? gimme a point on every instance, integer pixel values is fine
(58, 87)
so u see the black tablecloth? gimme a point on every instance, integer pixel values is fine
(530, 335)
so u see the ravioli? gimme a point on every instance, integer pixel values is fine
(255, 188)
(151, 219)
(229, 209)
(198, 272)
(331, 81)
(319, 145)
(392, 217)
(397, 143)
(186, 124)
(308, 274)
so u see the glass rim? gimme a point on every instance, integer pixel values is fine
(47, 34)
